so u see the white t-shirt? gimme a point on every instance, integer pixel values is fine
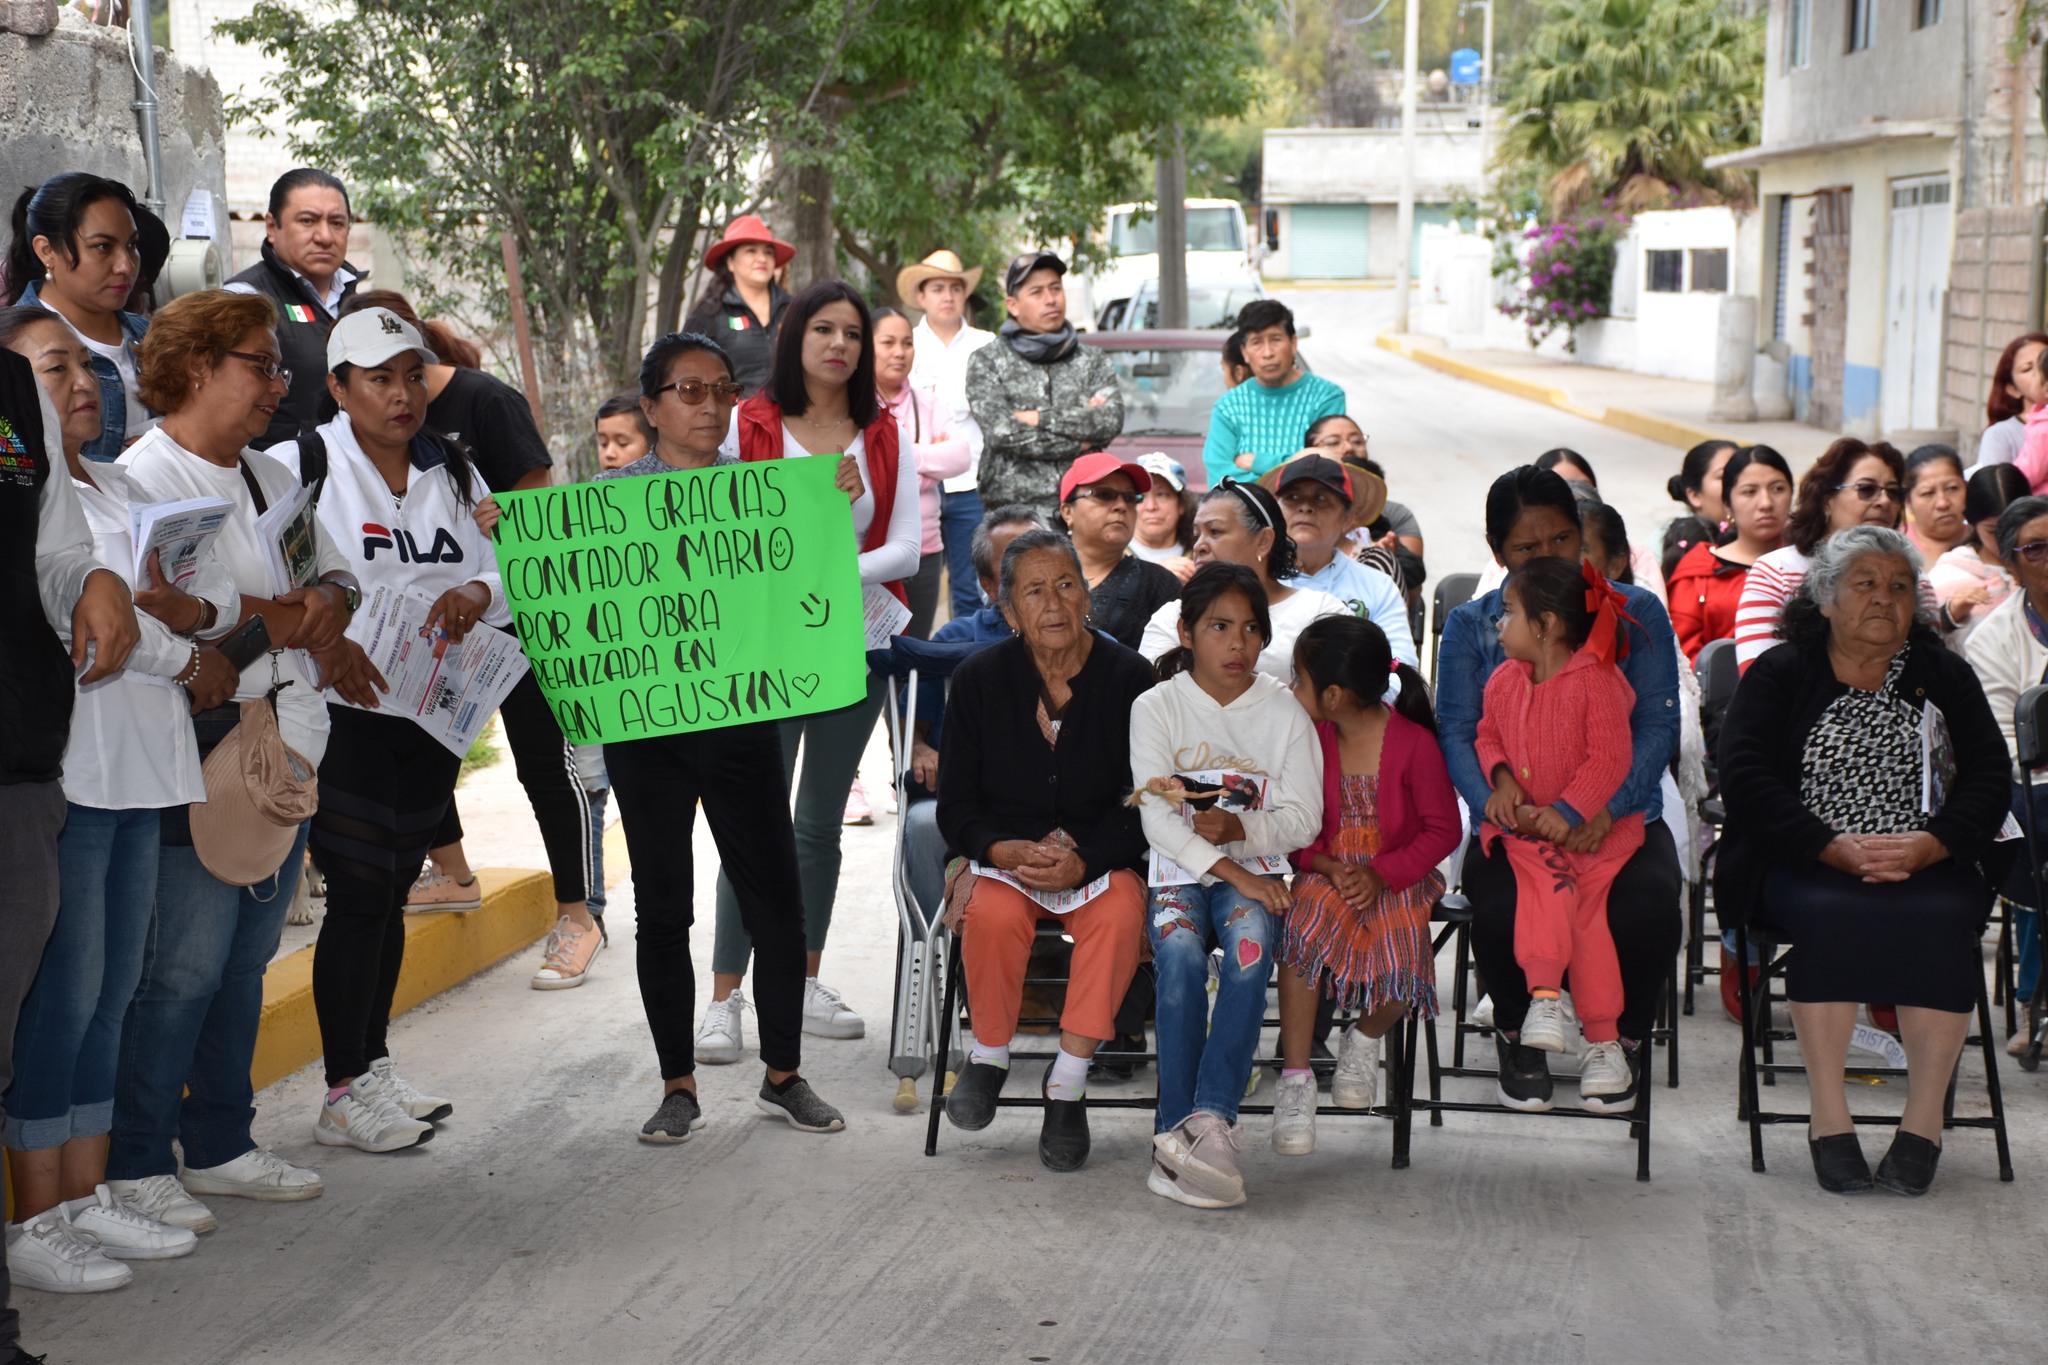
(1290, 618)
(122, 357)
(165, 471)
(939, 368)
(900, 554)
(1152, 556)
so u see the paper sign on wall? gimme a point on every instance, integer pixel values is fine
(686, 601)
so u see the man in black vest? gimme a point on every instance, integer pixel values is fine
(48, 580)
(303, 272)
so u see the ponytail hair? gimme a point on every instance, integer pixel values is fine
(56, 209)
(1210, 582)
(1352, 653)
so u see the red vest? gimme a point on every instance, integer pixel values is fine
(761, 437)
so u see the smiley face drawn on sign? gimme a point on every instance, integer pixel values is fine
(816, 608)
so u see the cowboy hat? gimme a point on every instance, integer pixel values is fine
(940, 265)
(747, 229)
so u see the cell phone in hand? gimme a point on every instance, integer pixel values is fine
(250, 642)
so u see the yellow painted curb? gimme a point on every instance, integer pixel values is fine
(1646, 425)
(442, 951)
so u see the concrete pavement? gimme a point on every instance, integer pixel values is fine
(535, 1228)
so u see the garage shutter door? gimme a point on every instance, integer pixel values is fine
(1329, 241)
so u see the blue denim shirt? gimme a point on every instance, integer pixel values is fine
(113, 437)
(1471, 652)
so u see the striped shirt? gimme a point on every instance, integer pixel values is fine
(1271, 424)
(1772, 581)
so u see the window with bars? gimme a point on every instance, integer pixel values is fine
(1710, 270)
(1664, 272)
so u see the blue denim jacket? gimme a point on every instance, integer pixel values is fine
(113, 437)
(1470, 654)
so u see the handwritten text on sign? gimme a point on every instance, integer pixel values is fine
(686, 601)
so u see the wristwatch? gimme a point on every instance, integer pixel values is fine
(351, 595)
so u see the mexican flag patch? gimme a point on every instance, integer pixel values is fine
(738, 324)
(298, 312)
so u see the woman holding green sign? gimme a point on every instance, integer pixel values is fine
(821, 398)
(687, 391)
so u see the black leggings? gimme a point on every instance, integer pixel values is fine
(547, 769)
(737, 774)
(1642, 914)
(384, 786)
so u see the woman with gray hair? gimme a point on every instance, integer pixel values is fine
(2009, 650)
(1032, 784)
(1865, 779)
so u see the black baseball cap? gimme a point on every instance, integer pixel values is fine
(1320, 469)
(1021, 268)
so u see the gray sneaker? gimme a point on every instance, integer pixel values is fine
(800, 1105)
(679, 1117)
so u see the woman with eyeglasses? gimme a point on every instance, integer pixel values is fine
(211, 365)
(821, 400)
(1099, 500)
(1852, 484)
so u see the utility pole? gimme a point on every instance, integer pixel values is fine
(1486, 99)
(1172, 228)
(1411, 42)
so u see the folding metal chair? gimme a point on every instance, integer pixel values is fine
(1452, 591)
(2030, 735)
(1718, 676)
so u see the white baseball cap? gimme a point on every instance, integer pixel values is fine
(373, 336)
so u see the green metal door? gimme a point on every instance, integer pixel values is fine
(1329, 241)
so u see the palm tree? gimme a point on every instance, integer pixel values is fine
(1628, 98)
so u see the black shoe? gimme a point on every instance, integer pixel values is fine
(679, 1116)
(1524, 1081)
(795, 1102)
(1838, 1163)
(1109, 1067)
(1620, 1101)
(1908, 1168)
(972, 1105)
(1063, 1137)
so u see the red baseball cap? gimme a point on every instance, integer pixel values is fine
(1099, 466)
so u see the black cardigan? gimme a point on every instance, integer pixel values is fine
(998, 779)
(1763, 741)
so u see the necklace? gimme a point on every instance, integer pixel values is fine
(820, 426)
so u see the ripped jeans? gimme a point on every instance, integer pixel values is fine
(1204, 1062)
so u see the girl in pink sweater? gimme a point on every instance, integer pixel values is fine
(1554, 736)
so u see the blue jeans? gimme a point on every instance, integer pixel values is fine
(1204, 1062)
(191, 1032)
(959, 514)
(924, 856)
(69, 1037)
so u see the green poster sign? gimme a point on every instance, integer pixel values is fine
(687, 601)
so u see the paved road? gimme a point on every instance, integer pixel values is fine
(535, 1228)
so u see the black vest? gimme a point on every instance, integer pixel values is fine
(35, 668)
(303, 323)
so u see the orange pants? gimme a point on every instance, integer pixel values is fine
(995, 943)
(1561, 921)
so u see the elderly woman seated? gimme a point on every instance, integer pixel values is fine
(1032, 785)
(1865, 778)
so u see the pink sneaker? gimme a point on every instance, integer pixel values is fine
(858, 812)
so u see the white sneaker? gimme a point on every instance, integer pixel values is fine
(826, 1015)
(47, 1253)
(1294, 1115)
(1543, 1025)
(256, 1174)
(1201, 1154)
(1606, 1080)
(161, 1199)
(1167, 1182)
(122, 1233)
(1482, 1013)
(366, 1118)
(720, 1038)
(415, 1103)
(1358, 1071)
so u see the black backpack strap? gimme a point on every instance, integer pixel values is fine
(313, 462)
(255, 488)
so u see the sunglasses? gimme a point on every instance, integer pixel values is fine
(2034, 551)
(266, 365)
(1867, 490)
(694, 391)
(1110, 495)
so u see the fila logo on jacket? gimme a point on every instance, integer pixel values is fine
(444, 550)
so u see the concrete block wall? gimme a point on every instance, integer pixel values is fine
(1993, 294)
(64, 106)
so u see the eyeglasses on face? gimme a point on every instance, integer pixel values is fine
(1109, 495)
(694, 391)
(266, 365)
(1867, 490)
(2034, 551)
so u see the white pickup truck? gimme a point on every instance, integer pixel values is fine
(1217, 252)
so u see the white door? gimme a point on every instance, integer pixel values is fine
(1916, 286)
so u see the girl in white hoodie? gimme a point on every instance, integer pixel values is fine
(1230, 781)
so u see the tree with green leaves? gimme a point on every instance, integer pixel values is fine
(1626, 99)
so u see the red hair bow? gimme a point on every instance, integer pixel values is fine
(1609, 608)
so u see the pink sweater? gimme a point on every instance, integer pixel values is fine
(1566, 739)
(939, 455)
(1418, 808)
